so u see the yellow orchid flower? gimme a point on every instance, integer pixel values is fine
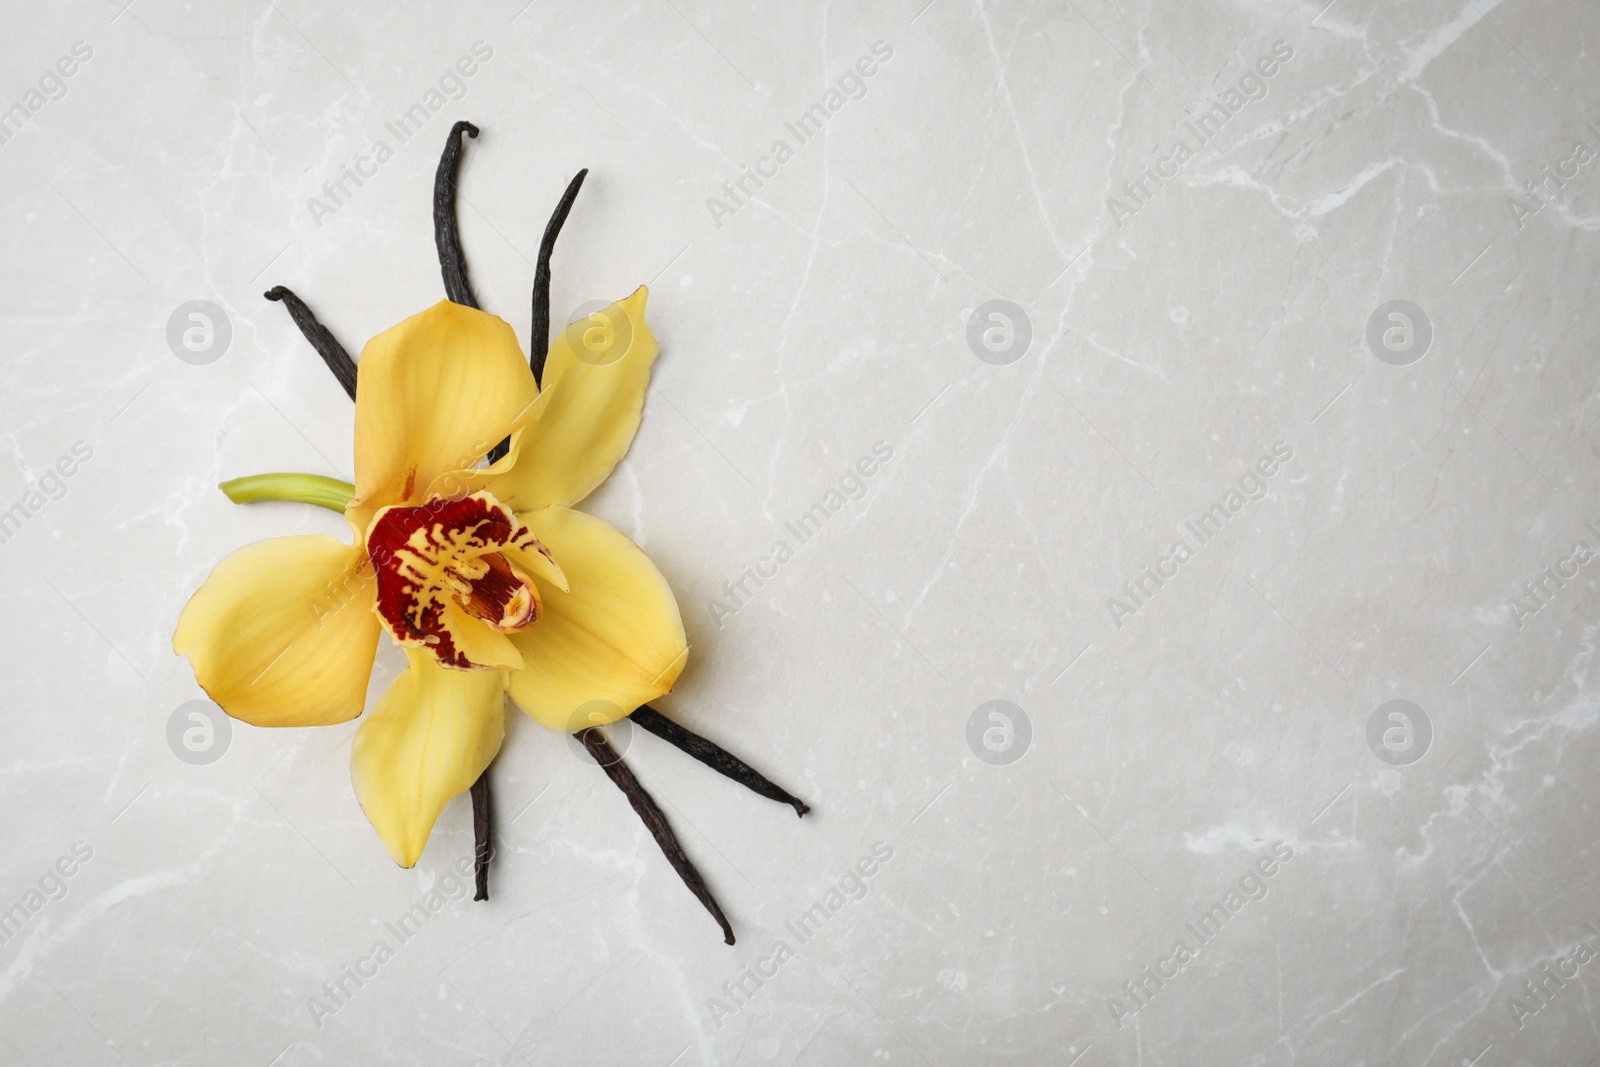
(482, 572)
(487, 578)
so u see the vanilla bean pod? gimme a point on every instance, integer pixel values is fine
(446, 233)
(327, 346)
(716, 757)
(453, 266)
(655, 820)
(539, 343)
(482, 828)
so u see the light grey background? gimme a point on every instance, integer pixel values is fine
(1175, 339)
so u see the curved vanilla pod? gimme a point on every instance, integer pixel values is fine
(327, 346)
(539, 341)
(655, 820)
(446, 233)
(539, 344)
(716, 757)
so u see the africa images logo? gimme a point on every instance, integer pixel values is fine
(852, 85)
(1204, 125)
(1251, 887)
(1252, 486)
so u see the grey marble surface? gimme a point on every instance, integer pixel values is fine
(1100, 279)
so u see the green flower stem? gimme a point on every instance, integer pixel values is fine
(327, 493)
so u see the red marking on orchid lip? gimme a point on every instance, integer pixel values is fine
(447, 551)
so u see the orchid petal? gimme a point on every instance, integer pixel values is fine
(613, 641)
(584, 422)
(282, 633)
(432, 735)
(434, 395)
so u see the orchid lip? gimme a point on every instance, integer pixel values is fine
(442, 569)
